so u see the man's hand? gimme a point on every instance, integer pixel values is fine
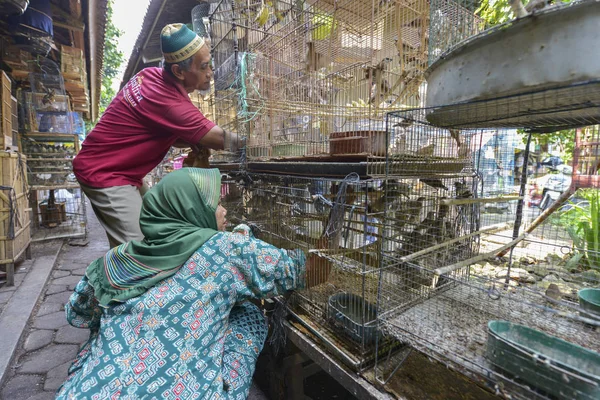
(219, 139)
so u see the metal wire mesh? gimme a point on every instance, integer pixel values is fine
(453, 327)
(546, 110)
(321, 83)
(451, 22)
(333, 219)
(58, 213)
(481, 249)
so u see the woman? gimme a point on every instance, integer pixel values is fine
(168, 315)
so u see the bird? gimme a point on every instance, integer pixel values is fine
(434, 183)
(455, 133)
(380, 87)
(517, 8)
(403, 123)
(553, 291)
(396, 188)
(390, 191)
(426, 150)
(314, 60)
(537, 5)
(412, 209)
(48, 97)
(462, 190)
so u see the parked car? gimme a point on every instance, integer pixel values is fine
(552, 162)
(555, 185)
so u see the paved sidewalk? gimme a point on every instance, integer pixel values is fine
(49, 344)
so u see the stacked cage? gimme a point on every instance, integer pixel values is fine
(338, 221)
(321, 84)
(498, 288)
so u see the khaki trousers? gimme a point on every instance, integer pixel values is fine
(118, 211)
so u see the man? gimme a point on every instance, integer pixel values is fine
(149, 115)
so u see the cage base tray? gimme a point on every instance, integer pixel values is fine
(321, 169)
(343, 349)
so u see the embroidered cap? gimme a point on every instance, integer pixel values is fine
(178, 43)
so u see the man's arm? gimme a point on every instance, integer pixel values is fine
(219, 139)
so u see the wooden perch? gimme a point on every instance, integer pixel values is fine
(453, 267)
(450, 202)
(489, 229)
(540, 218)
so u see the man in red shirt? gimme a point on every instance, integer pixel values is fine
(149, 115)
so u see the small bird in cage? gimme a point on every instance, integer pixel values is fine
(314, 60)
(380, 87)
(48, 98)
(402, 123)
(426, 150)
(434, 183)
(553, 291)
(411, 211)
(455, 134)
(462, 190)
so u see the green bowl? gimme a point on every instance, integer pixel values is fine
(589, 300)
(563, 369)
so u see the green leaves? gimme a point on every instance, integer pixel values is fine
(582, 222)
(113, 58)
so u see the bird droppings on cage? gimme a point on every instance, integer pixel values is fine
(453, 326)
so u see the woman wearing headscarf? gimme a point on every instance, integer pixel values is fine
(168, 315)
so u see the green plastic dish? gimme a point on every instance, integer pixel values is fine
(544, 362)
(589, 300)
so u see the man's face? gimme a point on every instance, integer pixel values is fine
(200, 73)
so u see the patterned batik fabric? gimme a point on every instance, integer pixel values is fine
(193, 335)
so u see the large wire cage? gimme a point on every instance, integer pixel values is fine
(58, 213)
(332, 218)
(451, 22)
(489, 261)
(320, 85)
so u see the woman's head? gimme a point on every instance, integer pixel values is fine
(186, 197)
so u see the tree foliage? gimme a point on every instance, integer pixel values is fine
(113, 58)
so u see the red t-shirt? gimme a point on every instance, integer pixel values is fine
(137, 129)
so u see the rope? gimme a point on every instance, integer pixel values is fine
(336, 216)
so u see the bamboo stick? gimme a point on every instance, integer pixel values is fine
(481, 257)
(541, 218)
(449, 202)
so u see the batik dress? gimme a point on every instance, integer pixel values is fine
(193, 335)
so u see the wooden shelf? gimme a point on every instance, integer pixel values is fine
(55, 187)
(46, 134)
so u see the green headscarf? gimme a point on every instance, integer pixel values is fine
(177, 217)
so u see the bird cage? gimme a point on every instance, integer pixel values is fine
(507, 338)
(484, 265)
(334, 219)
(451, 21)
(321, 84)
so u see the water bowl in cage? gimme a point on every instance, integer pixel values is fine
(353, 316)
(544, 362)
(589, 300)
